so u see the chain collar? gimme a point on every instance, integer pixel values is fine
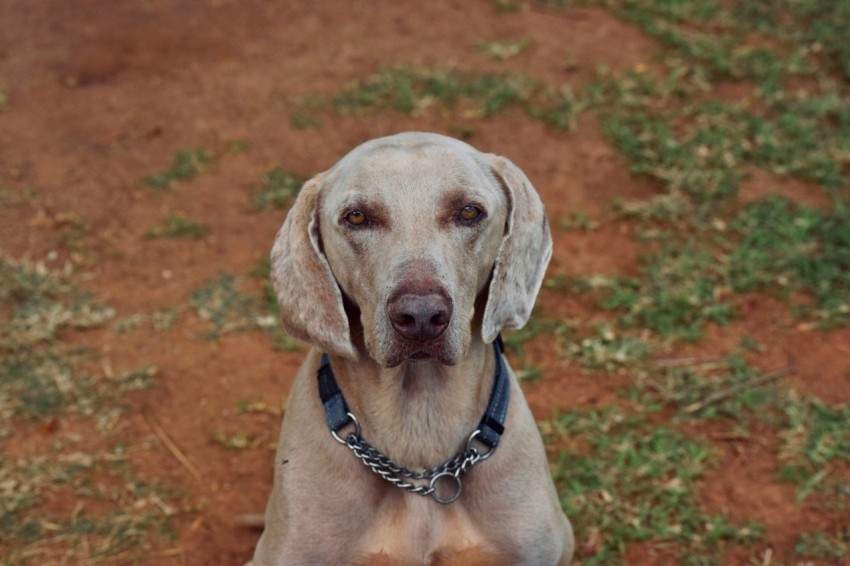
(428, 481)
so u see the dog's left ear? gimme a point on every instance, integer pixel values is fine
(523, 256)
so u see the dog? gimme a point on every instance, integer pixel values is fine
(400, 265)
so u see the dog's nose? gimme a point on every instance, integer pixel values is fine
(420, 317)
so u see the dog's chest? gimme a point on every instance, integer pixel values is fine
(418, 531)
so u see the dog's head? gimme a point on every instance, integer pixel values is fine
(416, 241)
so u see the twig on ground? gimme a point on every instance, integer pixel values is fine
(169, 444)
(726, 393)
(713, 361)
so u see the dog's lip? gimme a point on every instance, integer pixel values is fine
(420, 355)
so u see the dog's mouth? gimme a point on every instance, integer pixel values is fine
(420, 353)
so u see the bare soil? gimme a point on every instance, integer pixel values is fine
(103, 93)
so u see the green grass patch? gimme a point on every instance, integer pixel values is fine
(279, 189)
(678, 294)
(726, 387)
(410, 91)
(38, 372)
(824, 546)
(787, 248)
(186, 165)
(139, 512)
(176, 226)
(815, 439)
(228, 309)
(41, 382)
(624, 479)
(466, 95)
(605, 349)
(700, 164)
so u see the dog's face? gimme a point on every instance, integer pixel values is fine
(407, 231)
(411, 234)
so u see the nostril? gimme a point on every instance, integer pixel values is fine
(406, 320)
(440, 319)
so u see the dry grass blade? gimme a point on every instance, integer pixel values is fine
(711, 361)
(731, 391)
(169, 444)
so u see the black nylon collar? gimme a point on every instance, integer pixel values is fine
(489, 430)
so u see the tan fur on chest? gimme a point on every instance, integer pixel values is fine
(475, 556)
(419, 531)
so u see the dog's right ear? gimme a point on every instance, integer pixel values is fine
(310, 300)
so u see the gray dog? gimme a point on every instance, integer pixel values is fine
(407, 439)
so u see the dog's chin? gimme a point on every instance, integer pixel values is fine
(420, 354)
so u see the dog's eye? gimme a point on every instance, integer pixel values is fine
(355, 218)
(470, 213)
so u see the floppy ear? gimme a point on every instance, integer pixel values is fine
(310, 300)
(523, 256)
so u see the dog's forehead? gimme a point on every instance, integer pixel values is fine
(421, 167)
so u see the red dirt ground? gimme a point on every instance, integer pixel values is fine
(103, 93)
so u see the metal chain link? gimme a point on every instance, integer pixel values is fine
(383, 466)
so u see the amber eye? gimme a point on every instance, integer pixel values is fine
(355, 218)
(470, 213)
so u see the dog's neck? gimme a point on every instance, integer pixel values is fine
(418, 413)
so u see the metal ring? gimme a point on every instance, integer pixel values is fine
(356, 430)
(469, 447)
(454, 496)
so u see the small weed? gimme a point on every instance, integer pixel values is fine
(137, 380)
(235, 441)
(503, 50)
(160, 320)
(562, 111)
(164, 320)
(606, 350)
(16, 195)
(129, 323)
(505, 6)
(186, 165)
(248, 406)
(278, 190)
(630, 480)
(176, 226)
(230, 310)
(302, 119)
(824, 546)
(237, 146)
(815, 438)
(227, 308)
(462, 131)
(529, 373)
(579, 221)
